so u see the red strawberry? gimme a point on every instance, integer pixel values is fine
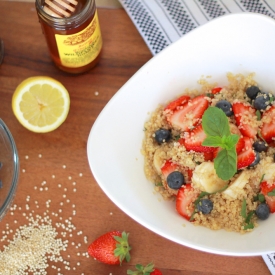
(111, 248)
(268, 128)
(190, 174)
(247, 155)
(208, 156)
(168, 168)
(156, 272)
(270, 200)
(177, 103)
(216, 90)
(189, 114)
(246, 119)
(240, 145)
(194, 141)
(145, 270)
(184, 201)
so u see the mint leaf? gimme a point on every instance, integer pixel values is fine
(213, 141)
(248, 226)
(249, 217)
(215, 122)
(271, 193)
(243, 210)
(230, 141)
(225, 163)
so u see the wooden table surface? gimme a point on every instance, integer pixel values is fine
(54, 166)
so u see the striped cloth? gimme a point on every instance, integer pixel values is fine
(162, 22)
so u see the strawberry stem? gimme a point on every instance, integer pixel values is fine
(122, 247)
(142, 270)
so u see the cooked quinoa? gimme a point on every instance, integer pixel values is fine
(226, 213)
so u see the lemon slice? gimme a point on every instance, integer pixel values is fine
(41, 103)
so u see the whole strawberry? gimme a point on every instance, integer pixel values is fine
(111, 248)
(145, 270)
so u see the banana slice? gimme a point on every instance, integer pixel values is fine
(158, 160)
(205, 178)
(236, 187)
(269, 172)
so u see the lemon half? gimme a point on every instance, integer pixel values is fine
(41, 104)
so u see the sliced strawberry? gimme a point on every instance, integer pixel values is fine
(271, 203)
(268, 128)
(168, 168)
(247, 155)
(189, 175)
(208, 155)
(181, 141)
(190, 114)
(240, 145)
(216, 90)
(266, 188)
(177, 103)
(246, 119)
(184, 201)
(270, 200)
(194, 139)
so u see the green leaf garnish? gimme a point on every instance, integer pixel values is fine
(215, 122)
(243, 210)
(248, 226)
(260, 198)
(271, 193)
(216, 127)
(261, 137)
(225, 163)
(262, 178)
(158, 184)
(258, 114)
(203, 194)
(247, 217)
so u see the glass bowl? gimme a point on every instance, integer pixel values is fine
(9, 168)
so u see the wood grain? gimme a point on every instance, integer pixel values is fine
(124, 53)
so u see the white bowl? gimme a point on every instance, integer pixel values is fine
(237, 43)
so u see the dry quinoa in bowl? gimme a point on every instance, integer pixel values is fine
(212, 152)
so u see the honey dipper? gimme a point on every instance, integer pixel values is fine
(60, 8)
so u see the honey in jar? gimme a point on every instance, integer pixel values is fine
(74, 42)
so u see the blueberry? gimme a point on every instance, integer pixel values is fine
(262, 211)
(252, 92)
(175, 180)
(205, 206)
(260, 146)
(256, 161)
(162, 135)
(225, 106)
(262, 101)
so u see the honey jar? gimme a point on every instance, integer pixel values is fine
(74, 42)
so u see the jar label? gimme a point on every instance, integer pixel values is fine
(80, 49)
